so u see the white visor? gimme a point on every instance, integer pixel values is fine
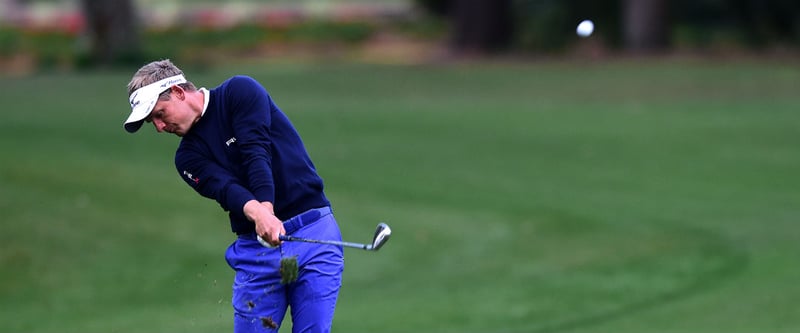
(144, 99)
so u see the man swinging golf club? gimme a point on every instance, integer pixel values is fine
(241, 150)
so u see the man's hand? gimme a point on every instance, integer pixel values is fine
(268, 226)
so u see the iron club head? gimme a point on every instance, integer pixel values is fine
(382, 234)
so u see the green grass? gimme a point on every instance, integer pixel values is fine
(549, 197)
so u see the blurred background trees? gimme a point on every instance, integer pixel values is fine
(481, 25)
(109, 32)
(645, 24)
(627, 25)
(112, 29)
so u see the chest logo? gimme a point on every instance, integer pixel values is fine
(230, 141)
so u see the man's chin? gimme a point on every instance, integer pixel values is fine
(177, 131)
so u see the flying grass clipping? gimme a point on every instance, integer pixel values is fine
(288, 269)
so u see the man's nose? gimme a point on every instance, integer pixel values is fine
(159, 125)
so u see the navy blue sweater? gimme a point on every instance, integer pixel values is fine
(245, 148)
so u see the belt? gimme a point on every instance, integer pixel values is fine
(298, 221)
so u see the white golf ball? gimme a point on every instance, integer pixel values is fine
(585, 28)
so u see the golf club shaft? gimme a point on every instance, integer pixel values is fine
(290, 238)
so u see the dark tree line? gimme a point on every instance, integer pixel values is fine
(485, 26)
(113, 31)
(633, 25)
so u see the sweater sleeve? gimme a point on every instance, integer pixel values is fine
(251, 110)
(212, 181)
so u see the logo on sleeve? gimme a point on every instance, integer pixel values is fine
(189, 176)
(230, 141)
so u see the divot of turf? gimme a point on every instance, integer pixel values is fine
(267, 322)
(288, 269)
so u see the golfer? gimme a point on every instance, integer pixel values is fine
(241, 150)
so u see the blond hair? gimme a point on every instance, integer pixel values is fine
(156, 71)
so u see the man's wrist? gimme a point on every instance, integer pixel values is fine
(251, 209)
(269, 206)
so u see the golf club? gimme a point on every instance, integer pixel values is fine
(382, 234)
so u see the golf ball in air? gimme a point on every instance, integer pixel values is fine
(585, 28)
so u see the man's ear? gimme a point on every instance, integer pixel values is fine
(178, 92)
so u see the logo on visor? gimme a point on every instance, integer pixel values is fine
(171, 82)
(133, 100)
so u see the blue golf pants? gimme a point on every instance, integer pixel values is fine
(260, 300)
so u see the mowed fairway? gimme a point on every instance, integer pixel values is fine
(582, 197)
